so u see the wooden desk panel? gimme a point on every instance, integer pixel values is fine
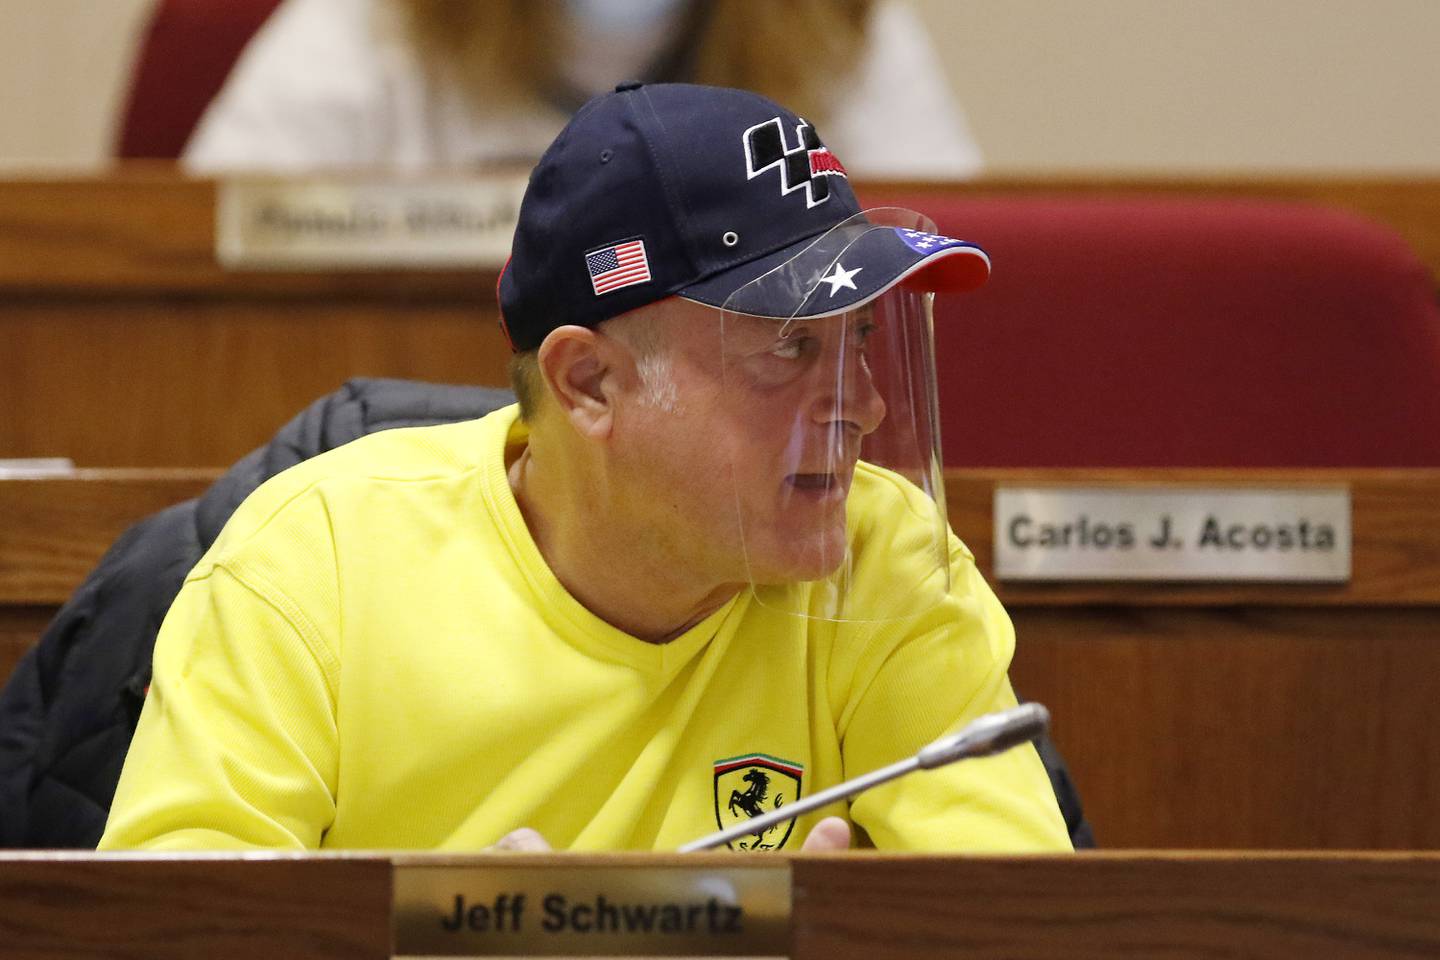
(106, 906)
(20, 626)
(123, 343)
(1235, 716)
(1354, 906)
(1099, 907)
(145, 226)
(1243, 727)
(147, 230)
(127, 345)
(183, 382)
(53, 530)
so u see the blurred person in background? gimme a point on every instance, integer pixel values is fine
(410, 85)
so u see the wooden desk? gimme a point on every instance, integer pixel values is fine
(1354, 905)
(53, 531)
(124, 344)
(1260, 716)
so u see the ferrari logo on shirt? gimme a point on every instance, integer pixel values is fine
(752, 784)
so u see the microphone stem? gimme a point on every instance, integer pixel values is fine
(991, 734)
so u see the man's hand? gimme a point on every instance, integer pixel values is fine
(829, 835)
(523, 840)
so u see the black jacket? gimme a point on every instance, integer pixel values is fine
(69, 710)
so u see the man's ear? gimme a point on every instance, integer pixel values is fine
(578, 365)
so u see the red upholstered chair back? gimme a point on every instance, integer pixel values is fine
(188, 51)
(1165, 332)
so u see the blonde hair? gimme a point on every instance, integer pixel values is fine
(792, 51)
(526, 383)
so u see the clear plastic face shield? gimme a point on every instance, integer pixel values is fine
(831, 374)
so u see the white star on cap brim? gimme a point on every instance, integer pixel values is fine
(840, 278)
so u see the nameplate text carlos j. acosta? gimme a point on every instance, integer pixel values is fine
(1165, 533)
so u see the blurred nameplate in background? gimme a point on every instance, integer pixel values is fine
(313, 224)
(24, 468)
(1296, 534)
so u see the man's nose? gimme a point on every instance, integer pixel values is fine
(851, 397)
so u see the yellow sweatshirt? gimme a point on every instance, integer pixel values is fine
(375, 655)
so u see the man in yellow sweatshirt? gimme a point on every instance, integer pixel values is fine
(702, 569)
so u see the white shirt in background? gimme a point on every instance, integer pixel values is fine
(334, 85)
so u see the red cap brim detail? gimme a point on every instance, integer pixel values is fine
(950, 271)
(500, 308)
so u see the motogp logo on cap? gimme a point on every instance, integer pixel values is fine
(804, 166)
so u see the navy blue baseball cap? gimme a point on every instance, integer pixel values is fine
(683, 190)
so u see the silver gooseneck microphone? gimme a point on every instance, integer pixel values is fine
(988, 735)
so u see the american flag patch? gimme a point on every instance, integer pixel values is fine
(622, 265)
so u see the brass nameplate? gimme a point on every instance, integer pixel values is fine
(499, 910)
(1297, 534)
(311, 224)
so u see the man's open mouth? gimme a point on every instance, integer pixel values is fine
(813, 481)
(827, 484)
